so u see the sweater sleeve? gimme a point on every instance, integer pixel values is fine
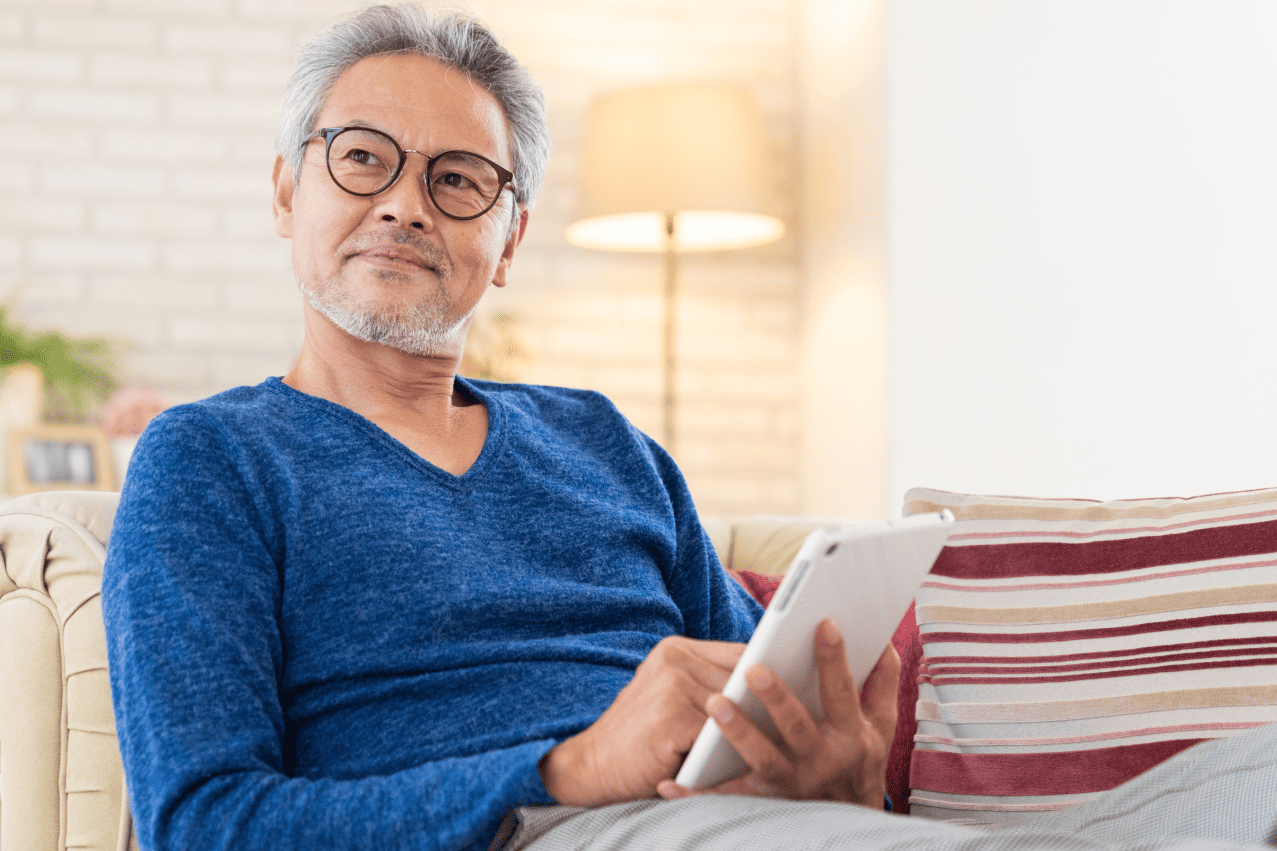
(191, 599)
(714, 606)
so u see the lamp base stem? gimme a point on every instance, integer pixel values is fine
(669, 335)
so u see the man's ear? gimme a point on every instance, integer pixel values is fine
(507, 253)
(283, 201)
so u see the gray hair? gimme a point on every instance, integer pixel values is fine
(454, 39)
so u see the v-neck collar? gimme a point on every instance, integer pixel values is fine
(491, 443)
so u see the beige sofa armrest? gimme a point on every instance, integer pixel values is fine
(763, 543)
(61, 781)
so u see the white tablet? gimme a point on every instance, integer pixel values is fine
(864, 577)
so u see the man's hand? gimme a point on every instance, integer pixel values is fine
(643, 736)
(843, 758)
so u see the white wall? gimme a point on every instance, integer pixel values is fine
(1083, 245)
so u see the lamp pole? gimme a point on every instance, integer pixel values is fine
(669, 332)
(695, 147)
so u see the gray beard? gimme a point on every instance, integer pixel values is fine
(422, 330)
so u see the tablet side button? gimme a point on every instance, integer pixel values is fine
(801, 571)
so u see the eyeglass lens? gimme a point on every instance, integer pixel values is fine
(365, 162)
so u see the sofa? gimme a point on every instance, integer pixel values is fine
(1058, 648)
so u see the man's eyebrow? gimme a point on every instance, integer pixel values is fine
(368, 125)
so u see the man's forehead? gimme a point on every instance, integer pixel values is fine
(413, 88)
(411, 65)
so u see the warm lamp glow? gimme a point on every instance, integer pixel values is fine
(693, 150)
(694, 230)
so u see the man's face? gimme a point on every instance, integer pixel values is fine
(391, 268)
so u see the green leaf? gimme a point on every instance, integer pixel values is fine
(77, 370)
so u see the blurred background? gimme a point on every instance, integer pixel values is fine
(1029, 247)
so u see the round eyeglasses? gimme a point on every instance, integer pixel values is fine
(363, 161)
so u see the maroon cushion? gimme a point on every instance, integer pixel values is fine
(762, 587)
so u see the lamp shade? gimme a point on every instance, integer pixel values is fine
(693, 150)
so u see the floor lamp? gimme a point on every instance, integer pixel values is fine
(672, 168)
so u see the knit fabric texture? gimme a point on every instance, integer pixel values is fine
(319, 640)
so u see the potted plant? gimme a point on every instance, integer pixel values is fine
(75, 371)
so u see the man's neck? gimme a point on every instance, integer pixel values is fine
(414, 399)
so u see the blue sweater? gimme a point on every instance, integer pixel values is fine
(318, 640)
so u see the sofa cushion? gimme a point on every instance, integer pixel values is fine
(1069, 645)
(766, 543)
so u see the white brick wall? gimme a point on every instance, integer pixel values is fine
(162, 145)
(161, 220)
(80, 104)
(149, 220)
(149, 71)
(42, 66)
(73, 28)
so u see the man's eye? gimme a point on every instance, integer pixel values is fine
(454, 180)
(362, 157)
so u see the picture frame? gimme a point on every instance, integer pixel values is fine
(58, 457)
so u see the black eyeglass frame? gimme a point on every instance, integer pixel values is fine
(329, 133)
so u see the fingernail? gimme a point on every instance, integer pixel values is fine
(759, 679)
(670, 791)
(828, 633)
(721, 709)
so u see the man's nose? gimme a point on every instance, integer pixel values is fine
(406, 202)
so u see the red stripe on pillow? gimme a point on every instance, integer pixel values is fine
(1108, 654)
(1053, 773)
(1105, 632)
(957, 665)
(925, 677)
(1004, 561)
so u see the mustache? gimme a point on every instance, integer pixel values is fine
(432, 254)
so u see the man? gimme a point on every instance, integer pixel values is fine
(372, 592)
(375, 605)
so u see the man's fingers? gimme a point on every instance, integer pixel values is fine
(878, 697)
(724, 654)
(648, 729)
(841, 759)
(756, 749)
(838, 697)
(671, 791)
(706, 663)
(749, 784)
(799, 732)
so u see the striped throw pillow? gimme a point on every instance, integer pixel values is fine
(1069, 645)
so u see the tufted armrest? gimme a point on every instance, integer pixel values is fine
(60, 776)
